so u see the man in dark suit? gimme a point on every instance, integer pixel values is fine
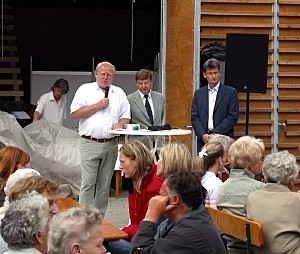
(215, 108)
(155, 114)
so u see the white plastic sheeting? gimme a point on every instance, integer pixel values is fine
(54, 150)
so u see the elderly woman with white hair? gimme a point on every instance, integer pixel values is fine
(77, 230)
(276, 207)
(245, 156)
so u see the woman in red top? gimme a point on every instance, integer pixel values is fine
(136, 162)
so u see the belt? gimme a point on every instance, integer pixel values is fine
(100, 140)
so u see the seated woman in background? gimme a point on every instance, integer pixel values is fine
(11, 159)
(210, 161)
(26, 184)
(245, 156)
(173, 155)
(136, 163)
(10, 183)
(276, 207)
(226, 141)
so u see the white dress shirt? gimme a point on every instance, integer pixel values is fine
(212, 96)
(98, 124)
(149, 99)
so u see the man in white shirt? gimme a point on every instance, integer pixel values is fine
(99, 107)
(52, 106)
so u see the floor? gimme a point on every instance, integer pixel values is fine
(117, 210)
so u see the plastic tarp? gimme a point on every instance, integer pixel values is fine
(53, 149)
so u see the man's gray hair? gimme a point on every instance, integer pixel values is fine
(280, 167)
(226, 141)
(75, 225)
(24, 218)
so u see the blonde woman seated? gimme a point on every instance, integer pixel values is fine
(276, 207)
(173, 155)
(136, 162)
(207, 165)
(245, 156)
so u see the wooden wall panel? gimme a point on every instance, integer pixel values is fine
(225, 16)
(10, 85)
(219, 17)
(179, 64)
(289, 77)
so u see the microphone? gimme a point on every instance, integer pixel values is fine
(106, 92)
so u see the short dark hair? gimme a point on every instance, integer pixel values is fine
(143, 74)
(61, 83)
(187, 185)
(211, 63)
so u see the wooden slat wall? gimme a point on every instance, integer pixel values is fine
(289, 76)
(9, 71)
(219, 17)
(180, 51)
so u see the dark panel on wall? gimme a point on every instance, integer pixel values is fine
(246, 65)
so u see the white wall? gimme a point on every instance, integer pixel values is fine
(42, 81)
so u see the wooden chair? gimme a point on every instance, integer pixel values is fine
(239, 227)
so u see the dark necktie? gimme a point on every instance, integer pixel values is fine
(148, 108)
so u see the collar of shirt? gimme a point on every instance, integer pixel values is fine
(111, 88)
(51, 97)
(241, 173)
(142, 95)
(216, 88)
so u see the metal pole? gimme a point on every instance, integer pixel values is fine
(248, 239)
(196, 67)
(275, 77)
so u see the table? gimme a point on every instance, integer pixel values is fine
(109, 231)
(150, 134)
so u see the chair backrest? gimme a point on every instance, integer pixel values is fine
(234, 225)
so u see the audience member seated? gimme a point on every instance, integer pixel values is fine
(11, 159)
(173, 155)
(189, 228)
(13, 178)
(46, 187)
(40, 184)
(25, 225)
(76, 230)
(245, 156)
(276, 207)
(136, 162)
(207, 165)
(226, 141)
